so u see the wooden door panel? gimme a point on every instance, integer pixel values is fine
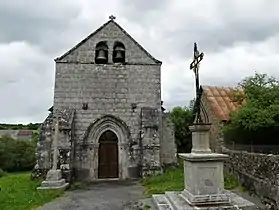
(113, 160)
(103, 167)
(108, 160)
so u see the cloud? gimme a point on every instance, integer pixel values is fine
(226, 68)
(237, 37)
(36, 23)
(26, 85)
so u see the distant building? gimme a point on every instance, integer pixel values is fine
(218, 104)
(18, 134)
(25, 134)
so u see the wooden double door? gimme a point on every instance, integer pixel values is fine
(108, 155)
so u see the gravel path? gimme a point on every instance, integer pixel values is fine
(109, 195)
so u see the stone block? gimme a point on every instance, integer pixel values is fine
(176, 200)
(54, 181)
(203, 175)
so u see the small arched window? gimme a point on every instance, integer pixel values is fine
(118, 53)
(101, 53)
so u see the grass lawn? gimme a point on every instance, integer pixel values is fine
(173, 180)
(18, 192)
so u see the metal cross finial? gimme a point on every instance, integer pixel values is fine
(112, 17)
(195, 66)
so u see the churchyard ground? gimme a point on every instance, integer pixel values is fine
(18, 192)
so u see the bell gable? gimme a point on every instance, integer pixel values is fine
(108, 44)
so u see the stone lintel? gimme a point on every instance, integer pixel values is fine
(221, 198)
(203, 157)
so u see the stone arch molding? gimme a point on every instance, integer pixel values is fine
(107, 122)
(91, 138)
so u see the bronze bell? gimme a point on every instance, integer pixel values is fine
(101, 57)
(119, 54)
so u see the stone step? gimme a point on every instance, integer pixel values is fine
(177, 201)
(161, 202)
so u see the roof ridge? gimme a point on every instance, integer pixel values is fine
(141, 47)
(219, 86)
(96, 31)
(82, 41)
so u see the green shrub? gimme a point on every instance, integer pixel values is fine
(231, 181)
(16, 155)
(2, 173)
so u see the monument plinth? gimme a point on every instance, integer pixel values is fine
(54, 178)
(203, 180)
(203, 170)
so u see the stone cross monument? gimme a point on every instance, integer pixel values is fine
(203, 170)
(54, 176)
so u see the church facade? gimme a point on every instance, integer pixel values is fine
(107, 99)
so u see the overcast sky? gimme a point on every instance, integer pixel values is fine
(238, 38)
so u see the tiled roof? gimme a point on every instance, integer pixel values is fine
(25, 132)
(220, 101)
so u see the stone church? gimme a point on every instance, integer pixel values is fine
(107, 100)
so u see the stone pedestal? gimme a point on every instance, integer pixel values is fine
(203, 179)
(200, 138)
(54, 181)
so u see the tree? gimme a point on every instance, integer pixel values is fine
(30, 126)
(260, 100)
(182, 119)
(16, 155)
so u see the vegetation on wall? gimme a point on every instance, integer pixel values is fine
(182, 119)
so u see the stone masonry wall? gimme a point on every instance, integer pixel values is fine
(109, 89)
(43, 149)
(85, 53)
(167, 144)
(259, 173)
(150, 141)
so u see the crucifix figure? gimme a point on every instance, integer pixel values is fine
(195, 67)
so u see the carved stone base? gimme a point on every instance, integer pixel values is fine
(176, 200)
(54, 181)
(197, 200)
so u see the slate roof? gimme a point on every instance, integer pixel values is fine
(99, 29)
(220, 101)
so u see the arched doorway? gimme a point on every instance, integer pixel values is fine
(108, 155)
